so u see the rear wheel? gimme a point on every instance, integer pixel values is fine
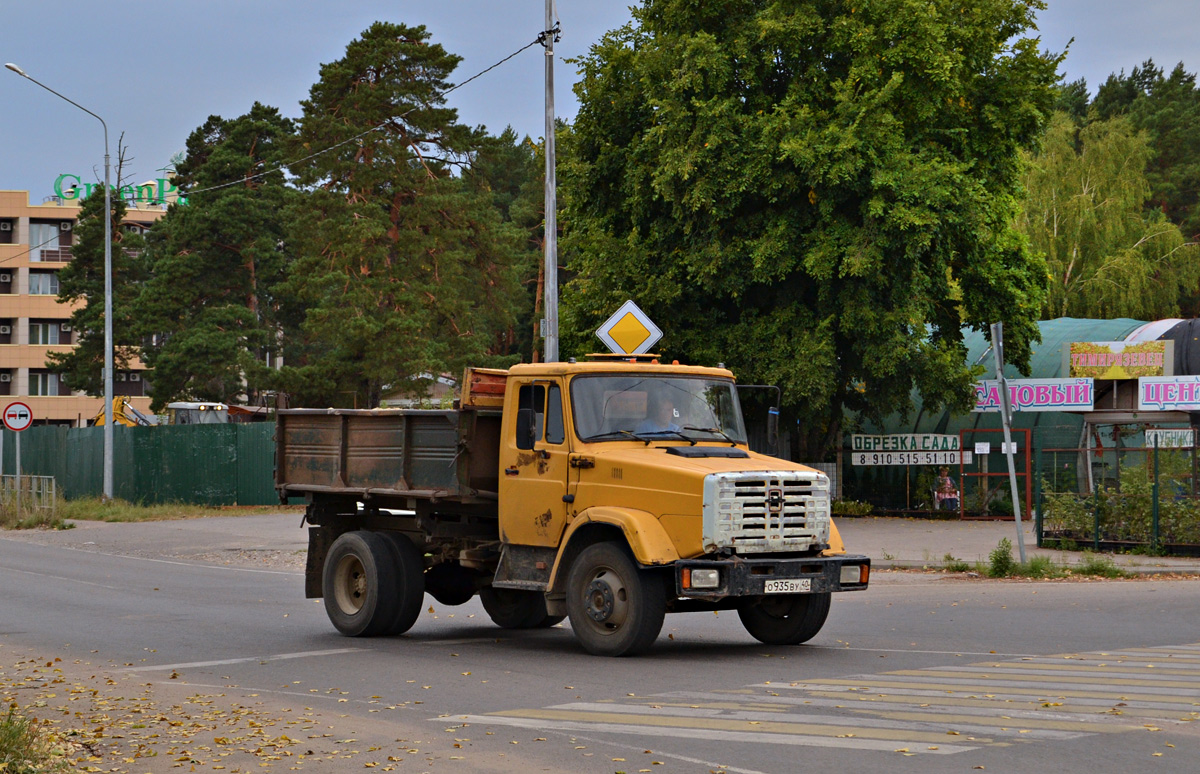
(786, 619)
(615, 608)
(359, 584)
(410, 582)
(515, 608)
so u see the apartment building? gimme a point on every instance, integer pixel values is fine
(35, 244)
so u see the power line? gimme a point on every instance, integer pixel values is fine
(536, 41)
(264, 173)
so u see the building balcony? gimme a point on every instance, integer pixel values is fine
(53, 254)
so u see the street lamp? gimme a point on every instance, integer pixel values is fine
(108, 313)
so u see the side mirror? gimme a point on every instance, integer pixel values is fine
(773, 428)
(525, 425)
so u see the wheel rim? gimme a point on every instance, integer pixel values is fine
(350, 585)
(605, 600)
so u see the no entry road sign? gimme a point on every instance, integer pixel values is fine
(17, 416)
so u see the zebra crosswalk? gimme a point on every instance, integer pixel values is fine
(941, 710)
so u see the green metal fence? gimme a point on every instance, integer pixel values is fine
(201, 464)
(1131, 498)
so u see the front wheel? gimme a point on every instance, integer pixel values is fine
(615, 608)
(787, 619)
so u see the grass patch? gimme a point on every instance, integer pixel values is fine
(94, 509)
(1099, 566)
(950, 564)
(29, 518)
(26, 749)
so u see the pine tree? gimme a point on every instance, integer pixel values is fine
(403, 271)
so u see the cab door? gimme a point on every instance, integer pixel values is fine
(534, 468)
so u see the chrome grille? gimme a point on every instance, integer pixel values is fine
(766, 511)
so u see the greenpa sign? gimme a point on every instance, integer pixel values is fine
(69, 187)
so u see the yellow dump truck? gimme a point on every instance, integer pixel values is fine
(609, 492)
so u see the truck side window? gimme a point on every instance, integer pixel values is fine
(533, 396)
(554, 417)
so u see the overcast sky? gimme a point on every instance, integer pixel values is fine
(157, 70)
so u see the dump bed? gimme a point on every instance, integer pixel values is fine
(384, 454)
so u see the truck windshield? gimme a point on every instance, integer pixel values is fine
(621, 407)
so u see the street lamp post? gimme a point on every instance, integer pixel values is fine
(108, 295)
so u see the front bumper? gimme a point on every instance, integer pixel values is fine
(748, 577)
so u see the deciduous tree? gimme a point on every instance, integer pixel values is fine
(819, 194)
(82, 282)
(1108, 256)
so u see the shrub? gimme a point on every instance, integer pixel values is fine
(1000, 560)
(851, 508)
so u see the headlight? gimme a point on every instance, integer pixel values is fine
(701, 579)
(853, 574)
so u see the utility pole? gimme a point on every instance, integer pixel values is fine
(1006, 422)
(550, 321)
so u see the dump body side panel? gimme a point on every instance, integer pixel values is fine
(451, 455)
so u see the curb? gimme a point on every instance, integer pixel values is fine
(908, 564)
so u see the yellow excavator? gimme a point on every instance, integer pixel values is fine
(125, 414)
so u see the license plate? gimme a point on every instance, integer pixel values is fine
(788, 586)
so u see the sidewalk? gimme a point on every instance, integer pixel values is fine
(278, 541)
(906, 543)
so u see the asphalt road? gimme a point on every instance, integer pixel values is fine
(170, 665)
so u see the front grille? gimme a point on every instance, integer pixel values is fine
(765, 511)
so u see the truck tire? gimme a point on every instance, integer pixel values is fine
(359, 584)
(514, 608)
(615, 608)
(787, 619)
(410, 582)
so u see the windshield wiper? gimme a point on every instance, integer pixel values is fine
(617, 433)
(644, 436)
(716, 430)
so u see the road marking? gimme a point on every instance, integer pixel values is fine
(61, 578)
(925, 652)
(224, 661)
(1030, 699)
(705, 734)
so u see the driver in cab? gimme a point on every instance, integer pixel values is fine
(660, 416)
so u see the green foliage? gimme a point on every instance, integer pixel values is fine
(26, 748)
(82, 280)
(211, 312)
(817, 195)
(1039, 567)
(403, 272)
(1126, 511)
(1099, 566)
(1167, 107)
(1106, 254)
(851, 508)
(1000, 560)
(955, 565)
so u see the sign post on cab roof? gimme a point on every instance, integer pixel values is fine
(629, 331)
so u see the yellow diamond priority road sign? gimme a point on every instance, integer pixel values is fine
(629, 331)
